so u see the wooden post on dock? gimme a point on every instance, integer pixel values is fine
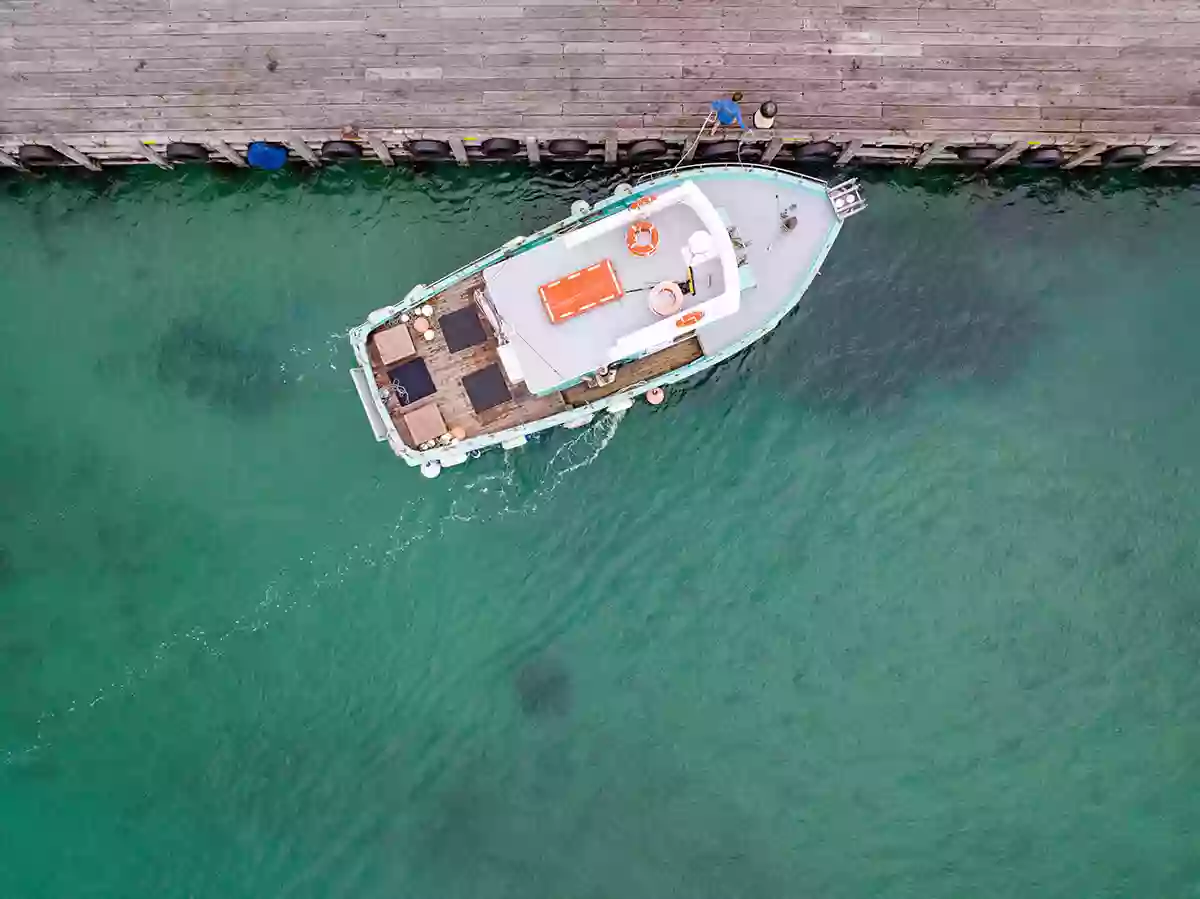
(689, 150)
(74, 155)
(147, 150)
(531, 150)
(379, 148)
(459, 149)
(1015, 149)
(1164, 154)
(848, 153)
(773, 149)
(303, 150)
(610, 150)
(1089, 152)
(12, 162)
(227, 152)
(928, 154)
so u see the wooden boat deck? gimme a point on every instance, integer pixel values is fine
(675, 356)
(448, 369)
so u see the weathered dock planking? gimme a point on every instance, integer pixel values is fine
(910, 81)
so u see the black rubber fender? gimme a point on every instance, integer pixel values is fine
(500, 147)
(341, 151)
(568, 148)
(645, 150)
(36, 154)
(718, 151)
(1123, 157)
(978, 155)
(1042, 158)
(817, 151)
(424, 148)
(183, 151)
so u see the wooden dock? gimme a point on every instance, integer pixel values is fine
(906, 81)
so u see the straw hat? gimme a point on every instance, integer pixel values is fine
(764, 116)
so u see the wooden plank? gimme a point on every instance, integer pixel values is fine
(1089, 152)
(849, 152)
(74, 155)
(1165, 154)
(693, 141)
(11, 161)
(303, 150)
(1011, 152)
(772, 150)
(379, 148)
(145, 148)
(610, 150)
(929, 153)
(531, 150)
(459, 150)
(227, 152)
(645, 369)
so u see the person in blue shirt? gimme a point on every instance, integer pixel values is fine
(728, 112)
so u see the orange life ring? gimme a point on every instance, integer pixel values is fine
(689, 318)
(634, 241)
(642, 201)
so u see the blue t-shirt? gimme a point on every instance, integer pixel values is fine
(728, 112)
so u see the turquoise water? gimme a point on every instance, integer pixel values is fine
(902, 602)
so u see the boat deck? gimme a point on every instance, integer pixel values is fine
(448, 370)
(776, 261)
(675, 356)
(554, 353)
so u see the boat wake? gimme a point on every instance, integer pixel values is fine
(511, 491)
(312, 362)
(518, 488)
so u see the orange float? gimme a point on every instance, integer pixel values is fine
(642, 201)
(689, 318)
(642, 238)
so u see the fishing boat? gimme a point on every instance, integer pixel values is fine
(615, 302)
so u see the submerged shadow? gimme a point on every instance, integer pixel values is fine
(626, 821)
(886, 318)
(212, 364)
(543, 688)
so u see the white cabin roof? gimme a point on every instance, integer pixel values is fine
(551, 355)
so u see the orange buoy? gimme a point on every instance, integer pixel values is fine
(689, 318)
(642, 201)
(655, 396)
(642, 238)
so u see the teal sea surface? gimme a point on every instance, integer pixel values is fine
(904, 601)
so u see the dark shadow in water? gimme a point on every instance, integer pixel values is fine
(632, 823)
(907, 299)
(213, 364)
(872, 330)
(8, 569)
(869, 334)
(543, 687)
(867, 342)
